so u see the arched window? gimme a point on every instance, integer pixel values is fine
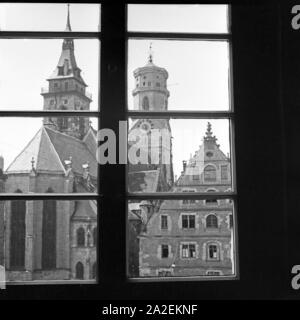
(94, 270)
(210, 173)
(80, 237)
(79, 271)
(95, 236)
(49, 233)
(17, 233)
(145, 104)
(211, 221)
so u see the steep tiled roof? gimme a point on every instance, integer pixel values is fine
(49, 149)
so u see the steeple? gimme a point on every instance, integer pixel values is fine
(68, 26)
(67, 91)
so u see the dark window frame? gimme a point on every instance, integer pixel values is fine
(255, 30)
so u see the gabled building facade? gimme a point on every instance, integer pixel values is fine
(192, 237)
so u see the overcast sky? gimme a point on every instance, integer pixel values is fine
(198, 74)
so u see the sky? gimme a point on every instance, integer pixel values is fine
(198, 70)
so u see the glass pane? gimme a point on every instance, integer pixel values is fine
(179, 75)
(53, 153)
(178, 18)
(179, 155)
(49, 17)
(49, 70)
(196, 238)
(49, 240)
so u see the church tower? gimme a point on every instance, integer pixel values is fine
(151, 94)
(67, 91)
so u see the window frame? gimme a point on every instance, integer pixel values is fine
(182, 114)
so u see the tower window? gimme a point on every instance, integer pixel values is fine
(145, 103)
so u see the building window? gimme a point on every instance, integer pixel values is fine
(188, 201)
(213, 273)
(224, 172)
(94, 270)
(196, 177)
(211, 221)
(164, 251)
(17, 233)
(80, 237)
(145, 104)
(210, 173)
(79, 272)
(188, 251)
(213, 252)
(164, 222)
(188, 221)
(49, 233)
(157, 84)
(149, 84)
(95, 236)
(66, 86)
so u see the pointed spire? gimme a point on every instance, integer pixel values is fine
(150, 57)
(68, 26)
(209, 134)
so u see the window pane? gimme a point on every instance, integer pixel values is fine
(41, 240)
(178, 75)
(49, 17)
(178, 18)
(49, 74)
(166, 155)
(191, 251)
(57, 153)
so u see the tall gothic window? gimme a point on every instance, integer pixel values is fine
(80, 237)
(49, 234)
(17, 233)
(79, 271)
(145, 103)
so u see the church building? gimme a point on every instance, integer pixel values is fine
(54, 239)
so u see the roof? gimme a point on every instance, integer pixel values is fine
(49, 149)
(85, 209)
(68, 63)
